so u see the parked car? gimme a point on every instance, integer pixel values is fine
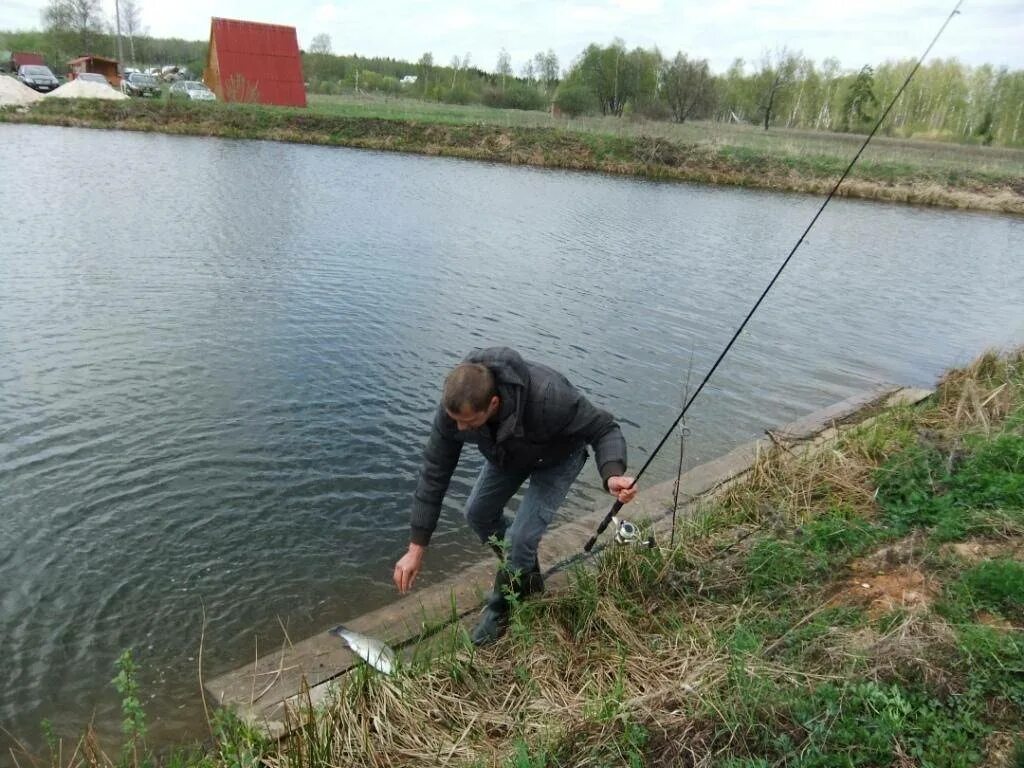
(192, 90)
(92, 77)
(37, 76)
(140, 84)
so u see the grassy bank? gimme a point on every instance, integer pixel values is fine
(860, 604)
(980, 178)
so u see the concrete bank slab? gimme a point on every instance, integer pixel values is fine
(271, 691)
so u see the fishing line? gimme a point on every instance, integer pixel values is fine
(618, 504)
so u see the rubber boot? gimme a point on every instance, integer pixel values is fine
(494, 620)
(532, 580)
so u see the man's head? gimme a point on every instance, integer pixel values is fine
(470, 396)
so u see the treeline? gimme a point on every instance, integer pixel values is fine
(946, 100)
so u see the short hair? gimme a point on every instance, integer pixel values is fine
(469, 384)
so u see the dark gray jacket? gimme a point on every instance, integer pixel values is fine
(542, 420)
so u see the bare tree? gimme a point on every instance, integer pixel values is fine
(545, 66)
(504, 66)
(456, 63)
(84, 17)
(320, 44)
(777, 73)
(425, 66)
(131, 22)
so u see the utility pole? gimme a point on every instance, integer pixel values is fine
(120, 48)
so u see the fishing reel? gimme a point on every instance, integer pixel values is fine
(628, 533)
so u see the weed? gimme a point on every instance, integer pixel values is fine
(774, 564)
(133, 723)
(236, 743)
(524, 757)
(906, 486)
(52, 742)
(997, 585)
(865, 723)
(990, 662)
(920, 487)
(840, 534)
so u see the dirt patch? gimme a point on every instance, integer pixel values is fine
(906, 588)
(888, 580)
(976, 551)
(999, 748)
(991, 620)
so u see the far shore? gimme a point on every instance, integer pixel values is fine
(961, 177)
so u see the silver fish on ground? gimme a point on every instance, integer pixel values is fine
(369, 649)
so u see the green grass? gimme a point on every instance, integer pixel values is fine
(821, 153)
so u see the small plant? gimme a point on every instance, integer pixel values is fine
(52, 743)
(997, 585)
(775, 563)
(524, 757)
(236, 743)
(133, 723)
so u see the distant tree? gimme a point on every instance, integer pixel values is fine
(320, 44)
(425, 66)
(643, 69)
(777, 73)
(617, 77)
(686, 84)
(131, 22)
(504, 67)
(528, 72)
(456, 63)
(603, 71)
(82, 17)
(859, 99)
(545, 69)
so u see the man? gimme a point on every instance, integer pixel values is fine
(531, 424)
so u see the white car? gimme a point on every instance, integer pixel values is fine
(192, 90)
(92, 77)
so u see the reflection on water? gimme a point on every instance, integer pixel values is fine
(220, 359)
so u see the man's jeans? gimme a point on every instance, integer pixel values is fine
(547, 490)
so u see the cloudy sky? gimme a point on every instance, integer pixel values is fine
(854, 31)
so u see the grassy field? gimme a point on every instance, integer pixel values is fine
(861, 604)
(938, 156)
(918, 172)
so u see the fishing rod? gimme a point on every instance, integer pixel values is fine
(618, 504)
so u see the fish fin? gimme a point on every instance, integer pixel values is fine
(338, 630)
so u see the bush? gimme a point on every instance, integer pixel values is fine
(456, 95)
(574, 100)
(525, 97)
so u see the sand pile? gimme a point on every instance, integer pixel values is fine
(83, 89)
(14, 92)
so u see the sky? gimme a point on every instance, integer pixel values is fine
(856, 32)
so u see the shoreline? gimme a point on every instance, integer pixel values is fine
(640, 156)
